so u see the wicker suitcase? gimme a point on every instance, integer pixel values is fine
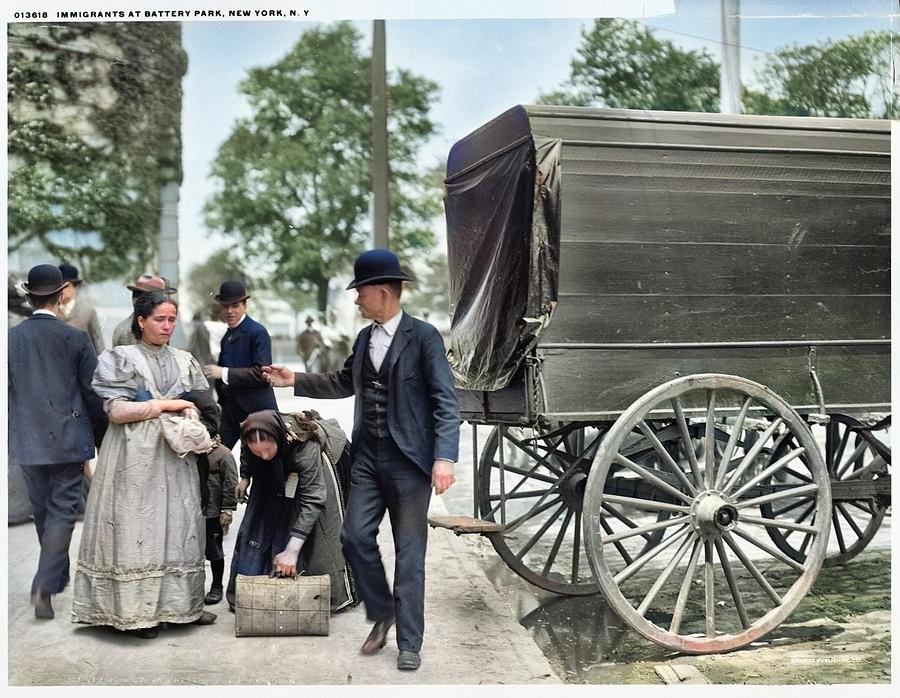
(282, 605)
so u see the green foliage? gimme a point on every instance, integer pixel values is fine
(621, 64)
(849, 78)
(204, 279)
(294, 178)
(94, 132)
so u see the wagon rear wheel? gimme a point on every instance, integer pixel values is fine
(712, 582)
(852, 453)
(531, 481)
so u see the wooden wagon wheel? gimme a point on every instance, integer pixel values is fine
(532, 482)
(851, 453)
(537, 494)
(748, 586)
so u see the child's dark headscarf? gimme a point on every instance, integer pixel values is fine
(287, 430)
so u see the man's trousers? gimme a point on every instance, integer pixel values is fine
(55, 492)
(383, 478)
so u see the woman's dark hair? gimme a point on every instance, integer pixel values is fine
(143, 307)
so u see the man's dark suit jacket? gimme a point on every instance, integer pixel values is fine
(51, 402)
(423, 411)
(247, 346)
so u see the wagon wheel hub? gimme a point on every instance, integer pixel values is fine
(572, 489)
(713, 514)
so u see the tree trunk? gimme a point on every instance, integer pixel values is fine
(322, 296)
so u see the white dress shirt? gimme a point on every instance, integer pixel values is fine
(225, 370)
(381, 338)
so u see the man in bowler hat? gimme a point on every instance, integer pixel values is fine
(405, 441)
(245, 349)
(51, 406)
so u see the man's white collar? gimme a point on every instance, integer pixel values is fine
(390, 327)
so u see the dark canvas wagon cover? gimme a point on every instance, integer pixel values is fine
(502, 205)
(621, 248)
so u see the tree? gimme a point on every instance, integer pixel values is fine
(848, 78)
(621, 64)
(204, 279)
(429, 296)
(294, 177)
(93, 121)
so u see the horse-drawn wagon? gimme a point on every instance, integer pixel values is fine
(679, 327)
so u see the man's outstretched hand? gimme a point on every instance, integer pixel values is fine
(278, 376)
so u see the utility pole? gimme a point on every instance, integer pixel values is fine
(380, 171)
(730, 72)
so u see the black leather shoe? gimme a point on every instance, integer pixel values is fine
(147, 633)
(378, 637)
(408, 660)
(42, 607)
(213, 597)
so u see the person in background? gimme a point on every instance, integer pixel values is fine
(219, 510)
(199, 340)
(309, 344)
(246, 348)
(76, 310)
(51, 406)
(145, 283)
(405, 441)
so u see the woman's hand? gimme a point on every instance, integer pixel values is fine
(173, 405)
(240, 490)
(285, 563)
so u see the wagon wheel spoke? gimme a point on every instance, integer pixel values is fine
(709, 590)
(685, 590)
(667, 460)
(752, 569)
(839, 506)
(686, 439)
(540, 532)
(732, 584)
(530, 514)
(554, 551)
(853, 459)
(576, 549)
(529, 474)
(664, 576)
(626, 556)
(615, 513)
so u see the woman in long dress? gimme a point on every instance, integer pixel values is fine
(141, 561)
(296, 505)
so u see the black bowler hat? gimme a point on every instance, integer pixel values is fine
(70, 273)
(376, 267)
(231, 292)
(44, 280)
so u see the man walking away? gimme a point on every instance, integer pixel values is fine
(51, 406)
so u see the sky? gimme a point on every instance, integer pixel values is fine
(483, 54)
(483, 66)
